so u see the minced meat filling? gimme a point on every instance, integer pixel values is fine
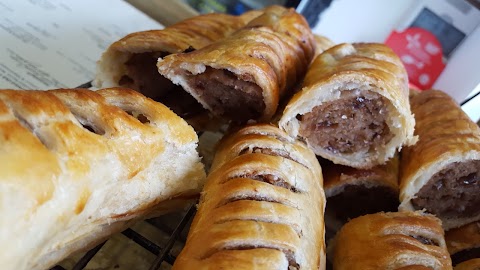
(229, 95)
(142, 75)
(357, 201)
(452, 192)
(350, 125)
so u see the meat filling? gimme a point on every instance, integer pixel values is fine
(142, 75)
(229, 95)
(357, 201)
(452, 192)
(350, 125)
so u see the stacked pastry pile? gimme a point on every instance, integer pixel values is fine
(107, 158)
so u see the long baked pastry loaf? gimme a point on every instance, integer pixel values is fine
(244, 75)
(353, 192)
(132, 61)
(78, 165)
(441, 173)
(353, 108)
(262, 206)
(398, 240)
(464, 243)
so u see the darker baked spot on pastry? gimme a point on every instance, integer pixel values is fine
(452, 192)
(269, 179)
(425, 240)
(289, 254)
(465, 255)
(270, 152)
(142, 76)
(88, 125)
(228, 95)
(248, 197)
(139, 116)
(357, 201)
(350, 125)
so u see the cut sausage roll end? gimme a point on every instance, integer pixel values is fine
(457, 203)
(227, 92)
(350, 112)
(349, 123)
(441, 173)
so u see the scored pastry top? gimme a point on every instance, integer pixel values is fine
(440, 173)
(91, 156)
(396, 240)
(261, 208)
(244, 75)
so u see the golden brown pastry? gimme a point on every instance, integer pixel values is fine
(262, 206)
(131, 61)
(464, 243)
(77, 166)
(243, 76)
(473, 264)
(353, 108)
(399, 240)
(353, 192)
(322, 44)
(441, 173)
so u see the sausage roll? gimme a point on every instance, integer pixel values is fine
(322, 44)
(353, 192)
(398, 240)
(441, 173)
(77, 166)
(244, 76)
(262, 206)
(464, 243)
(353, 108)
(131, 61)
(473, 264)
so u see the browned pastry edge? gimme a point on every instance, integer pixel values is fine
(262, 61)
(360, 74)
(447, 139)
(260, 208)
(102, 159)
(395, 240)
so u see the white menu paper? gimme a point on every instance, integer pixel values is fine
(47, 44)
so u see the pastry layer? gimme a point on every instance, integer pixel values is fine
(353, 108)
(77, 166)
(259, 200)
(399, 240)
(441, 172)
(132, 61)
(245, 75)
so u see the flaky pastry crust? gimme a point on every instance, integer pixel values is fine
(399, 240)
(77, 166)
(262, 206)
(272, 52)
(446, 136)
(345, 71)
